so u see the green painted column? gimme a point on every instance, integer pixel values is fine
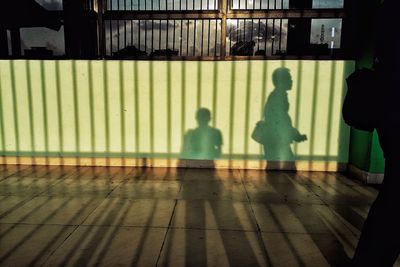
(365, 152)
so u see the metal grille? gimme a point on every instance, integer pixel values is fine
(210, 28)
(90, 5)
(284, 4)
(152, 5)
(197, 28)
(256, 37)
(140, 38)
(260, 4)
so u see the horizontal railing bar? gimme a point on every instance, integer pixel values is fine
(215, 14)
(199, 58)
(235, 58)
(298, 13)
(144, 15)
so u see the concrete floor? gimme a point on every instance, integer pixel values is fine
(52, 216)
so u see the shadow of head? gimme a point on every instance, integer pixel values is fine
(203, 116)
(282, 79)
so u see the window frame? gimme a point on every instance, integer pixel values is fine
(225, 12)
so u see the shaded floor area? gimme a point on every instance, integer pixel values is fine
(98, 216)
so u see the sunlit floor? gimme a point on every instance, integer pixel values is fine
(53, 216)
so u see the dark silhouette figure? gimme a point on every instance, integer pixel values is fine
(379, 244)
(204, 142)
(278, 130)
(130, 51)
(243, 48)
(165, 52)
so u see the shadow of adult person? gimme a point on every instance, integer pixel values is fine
(278, 133)
(379, 244)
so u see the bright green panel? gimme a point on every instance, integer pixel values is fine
(365, 151)
(302, 111)
(174, 107)
(256, 100)
(303, 103)
(297, 95)
(10, 126)
(91, 106)
(144, 108)
(322, 101)
(249, 106)
(359, 154)
(99, 113)
(146, 102)
(11, 108)
(68, 107)
(325, 103)
(136, 78)
(128, 100)
(207, 73)
(114, 105)
(161, 101)
(21, 101)
(312, 76)
(2, 126)
(57, 107)
(238, 107)
(191, 95)
(377, 164)
(83, 105)
(334, 117)
(35, 105)
(227, 115)
(50, 109)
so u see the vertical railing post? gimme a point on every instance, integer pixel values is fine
(16, 42)
(223, 9)
(3, 42)
(101, 30)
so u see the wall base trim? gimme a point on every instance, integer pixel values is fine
(364, 176)
(153, 162)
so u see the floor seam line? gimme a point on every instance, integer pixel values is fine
(259, 233)
(166, 232)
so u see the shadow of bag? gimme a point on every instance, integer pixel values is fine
(259, 132)
(361, 106)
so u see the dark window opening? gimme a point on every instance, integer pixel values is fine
(173, 29)
(257, 37)
(284, 4)
(141, 38)
(51, 4)
(161, 5)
